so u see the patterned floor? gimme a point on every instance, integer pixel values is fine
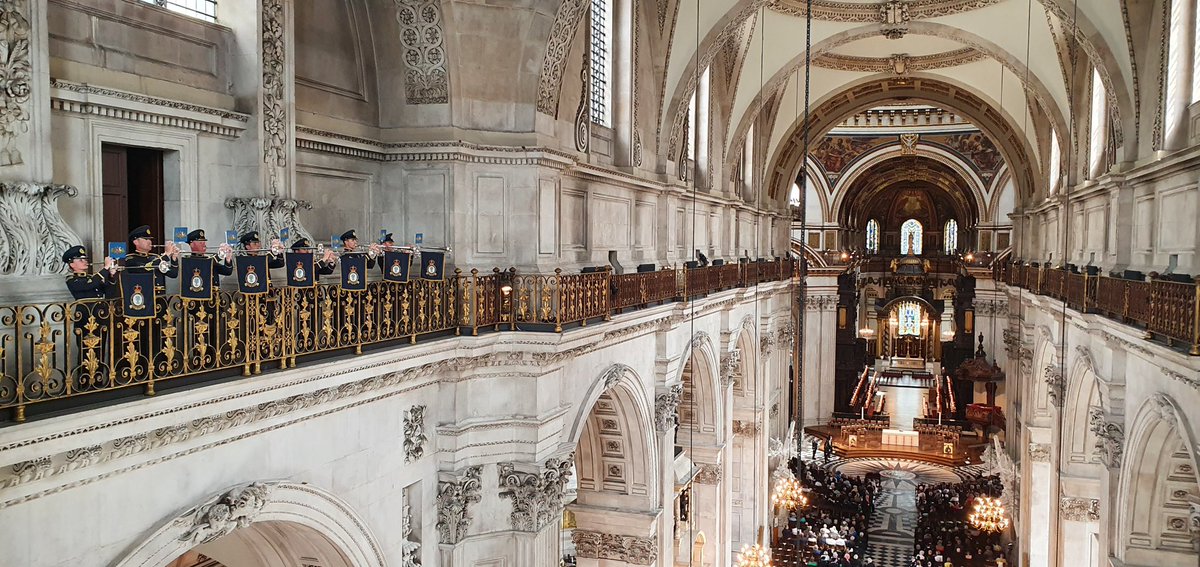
(894, 521)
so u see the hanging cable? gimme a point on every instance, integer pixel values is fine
(802, 284)
(694, 140)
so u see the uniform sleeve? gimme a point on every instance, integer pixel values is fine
(174, 271)
(87, 286)
(223, 268)
(275, 261)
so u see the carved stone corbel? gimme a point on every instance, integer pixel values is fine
(33, 234)
(1110, 438)
(731, 362)
(269, 216)
(666, 409)
(1055, 385)
(218, 517)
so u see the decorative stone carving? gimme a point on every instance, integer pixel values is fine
(454, 499)
(1012, 343)
(1055, 385)
(612, 375)
(218, 517)
(583, 115)
(908, 143)
(1189, 380)
(275, 137)
(410, 551)
(1039, 452)
(1079, 509)
(426, 80)
(1194, 521)
(269, 216)
(899, 63)
(785, 337)
(775, 409)
(745, 428)
(666, 409)
(708, 474)
(1025, 356)
(33, 234)
(566, 23)
(1110, 438)
(986, 308)
(894, 17)
(536, 496)
(414, 433)
(18, 73)
(821, 302)
(626, 549)
(731, 362)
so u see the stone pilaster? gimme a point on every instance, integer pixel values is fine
(25, 150)
(277, 97)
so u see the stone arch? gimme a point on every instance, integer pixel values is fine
(1158, 476)
(259, 517)
(616, 460)
(1082, 396)
(700, 402)
(882, 154)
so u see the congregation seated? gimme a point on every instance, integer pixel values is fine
(832, 530)
(943, 535)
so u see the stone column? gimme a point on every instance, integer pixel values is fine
(820, 332)
(710, 510)
(536, 493)
(1079, 520)
(1038, 511)
(458, 496)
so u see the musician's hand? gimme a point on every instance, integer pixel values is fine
(170, 249)
(276, 246)
(329, 257)
(224, 251)
(373, 250)
(110, 265)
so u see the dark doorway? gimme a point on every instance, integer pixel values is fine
(132, 180)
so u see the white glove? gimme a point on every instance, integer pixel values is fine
(110, 265)
(224, 251)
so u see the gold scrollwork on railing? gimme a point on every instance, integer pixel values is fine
(59, 350)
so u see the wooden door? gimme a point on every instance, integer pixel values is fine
(132, 184)
(115, 186)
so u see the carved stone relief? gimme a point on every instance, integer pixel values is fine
(410, 551)
(454, 499)
(1039, 452)
(426, 80)
(18, 72)
(731, 362)
(537, 496)
(414, 433)
(269, 216)
(566, 23)
(894, 17)
(275, 136)
(1079, 509)
(708, 474)
(33, 234)
(666, 409)
(745, 428)
(1055, 385)
(626, 549)
(1110, 438)
(218, 517)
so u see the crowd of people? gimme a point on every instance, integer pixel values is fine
(944, 537)
(831, 531)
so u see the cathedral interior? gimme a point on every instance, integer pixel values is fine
(599, 283)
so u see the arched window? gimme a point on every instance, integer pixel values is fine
(1098, 137)
(794, 195)
(908, 319)
(873, 236)
(912, 231)
(951, 238)
(602, 62)
(1055, 166)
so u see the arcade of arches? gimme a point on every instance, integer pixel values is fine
(660, 305)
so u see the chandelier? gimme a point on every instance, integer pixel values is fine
(753, 556)
(789, 494)
(988, 515)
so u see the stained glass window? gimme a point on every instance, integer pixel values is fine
(601, 62)
(872, 236)
(912, 231)
(908, 319)
(951, 236)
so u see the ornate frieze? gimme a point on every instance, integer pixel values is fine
(269, 216)
(990, 308)
(821, 302)
(1079, 509)
(1110, 438)
(745, 428)
(1055, 384)
(33, 233)
(454, 499)
(623, 548)
(882, 13)
(1189, 380)
(414, 433)
(410, 551)
(536, 496)
(218, 517)
(708, 474)
(899, 63)
(15, 38)
(1039, 452)
(426, 80)
(666, 409)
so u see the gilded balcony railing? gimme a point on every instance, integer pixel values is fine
(62, 350)
(1164, 309)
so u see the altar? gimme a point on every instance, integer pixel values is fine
(901, 438)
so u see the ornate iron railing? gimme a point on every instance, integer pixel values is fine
(1164, 309)
(62, 350)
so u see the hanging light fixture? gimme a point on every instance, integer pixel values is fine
(789, 494)
(989, 515)
(753, 556)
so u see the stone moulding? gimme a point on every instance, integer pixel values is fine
(90, 100)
